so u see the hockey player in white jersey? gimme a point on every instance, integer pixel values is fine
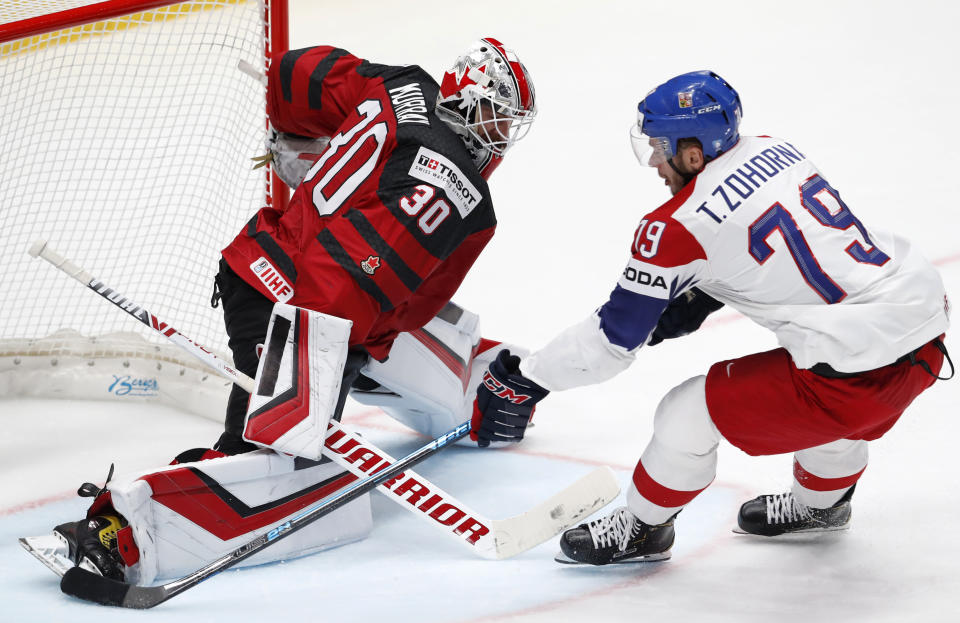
(859, 315)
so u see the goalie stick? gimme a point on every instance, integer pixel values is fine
(493, 539)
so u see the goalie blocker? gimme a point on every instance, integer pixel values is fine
(298, 381)
(428, 383)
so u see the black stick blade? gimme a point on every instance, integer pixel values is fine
(89, 586)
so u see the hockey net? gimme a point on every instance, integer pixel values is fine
(127, 131)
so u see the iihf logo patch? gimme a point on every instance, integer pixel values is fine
(272, 279)
(370, 264)
(685, 99)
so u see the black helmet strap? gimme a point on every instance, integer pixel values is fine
(686, 176)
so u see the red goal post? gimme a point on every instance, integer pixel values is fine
(127, 131)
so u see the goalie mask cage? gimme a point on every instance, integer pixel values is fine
(126, 136)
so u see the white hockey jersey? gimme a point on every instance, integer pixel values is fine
(761, 230)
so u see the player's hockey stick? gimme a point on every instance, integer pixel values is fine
(92, 587)
(489, 538)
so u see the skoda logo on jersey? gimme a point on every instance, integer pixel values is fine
(644, 279)
(370, 265)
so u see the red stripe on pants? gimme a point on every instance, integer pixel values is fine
(654, 492)
(816, 483)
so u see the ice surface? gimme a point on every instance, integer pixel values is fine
(866, 90)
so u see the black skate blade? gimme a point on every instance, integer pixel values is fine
(563, 559)
(739, 530)
(89, 586)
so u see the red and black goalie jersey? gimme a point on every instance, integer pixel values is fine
(386, 224)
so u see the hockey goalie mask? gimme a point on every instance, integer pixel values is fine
(488, 98)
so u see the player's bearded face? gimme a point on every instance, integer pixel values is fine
(685, 165)
(671, 178)
(495, 128)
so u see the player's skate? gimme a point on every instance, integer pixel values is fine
(88, 543)
(772, 515)
(617, 538)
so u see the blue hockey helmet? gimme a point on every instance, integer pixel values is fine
(699, 105)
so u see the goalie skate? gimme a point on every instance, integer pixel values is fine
(81, 544)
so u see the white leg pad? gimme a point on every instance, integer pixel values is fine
(429, 381)
(185, 516)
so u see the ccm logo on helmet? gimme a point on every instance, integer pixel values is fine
(501, 391)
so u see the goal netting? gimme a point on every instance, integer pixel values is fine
(126, 136)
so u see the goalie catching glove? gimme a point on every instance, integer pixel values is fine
(505, 402)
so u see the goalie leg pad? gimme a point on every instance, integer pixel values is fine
(298, 381)
(430, 379)
(184, 516)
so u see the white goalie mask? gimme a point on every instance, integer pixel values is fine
(488, 98)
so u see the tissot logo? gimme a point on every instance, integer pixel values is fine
(272, 279)
(438, 170)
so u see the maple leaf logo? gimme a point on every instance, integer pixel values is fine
(370, 265)
(464, 75)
